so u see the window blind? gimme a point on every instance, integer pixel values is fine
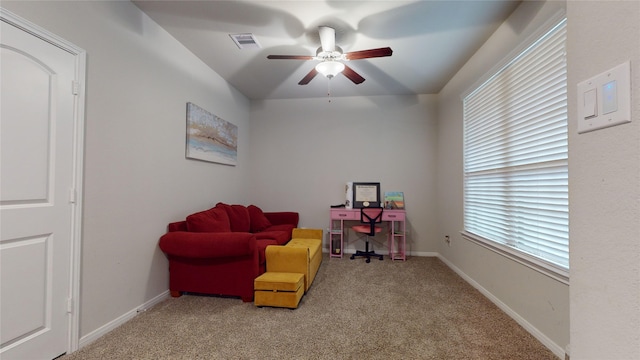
(516, 154)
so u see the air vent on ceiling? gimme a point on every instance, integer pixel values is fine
(245, 41)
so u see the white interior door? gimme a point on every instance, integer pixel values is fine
(37, 194)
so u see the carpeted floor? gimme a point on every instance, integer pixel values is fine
(418, 309)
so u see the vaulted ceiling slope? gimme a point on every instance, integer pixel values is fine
(430, 40)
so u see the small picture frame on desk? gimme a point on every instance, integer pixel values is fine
(394, 200)
(366, 194)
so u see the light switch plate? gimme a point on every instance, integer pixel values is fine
(613, 99)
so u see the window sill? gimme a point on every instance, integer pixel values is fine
(548, 269)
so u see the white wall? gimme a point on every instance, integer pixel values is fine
(137, 179)
(304, 151)
(604, 189)
(538, 302)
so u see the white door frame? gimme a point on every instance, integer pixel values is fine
(78, 160)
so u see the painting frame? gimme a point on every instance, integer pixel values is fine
(394, 200)
(210, 138)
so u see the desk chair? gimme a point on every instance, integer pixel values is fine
(369, 217)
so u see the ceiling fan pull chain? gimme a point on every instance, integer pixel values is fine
(329, 89)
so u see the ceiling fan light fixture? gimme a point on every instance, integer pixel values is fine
(330, 68)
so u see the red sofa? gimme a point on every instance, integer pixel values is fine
(220, 251)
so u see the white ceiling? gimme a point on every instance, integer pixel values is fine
(430, 40)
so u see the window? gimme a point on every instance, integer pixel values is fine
(516, 158)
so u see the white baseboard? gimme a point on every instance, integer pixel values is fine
(103, 330)
(555, 348)
(423, 254)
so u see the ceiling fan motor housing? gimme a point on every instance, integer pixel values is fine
(330, 55)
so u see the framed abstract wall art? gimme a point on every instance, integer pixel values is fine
(210, 138)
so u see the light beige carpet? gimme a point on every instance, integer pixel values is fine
(418, 309)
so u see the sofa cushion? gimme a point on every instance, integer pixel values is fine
(287, 228)
(313, 245)
(258, 221)
(212, 220)
(238, 217)
(280, 237)
(177, 226)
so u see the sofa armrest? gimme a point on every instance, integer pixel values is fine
(207, 245)
(283, 217)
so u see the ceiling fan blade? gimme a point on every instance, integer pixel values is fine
(290, 57)
(305, 80)
(327, 38)
(352, 75)
(371, 53)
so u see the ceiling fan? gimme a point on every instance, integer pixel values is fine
(331, 57)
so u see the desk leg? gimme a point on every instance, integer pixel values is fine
(391, 241)
(397, 236)
(336, 238)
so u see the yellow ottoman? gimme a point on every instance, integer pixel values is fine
(278, 289)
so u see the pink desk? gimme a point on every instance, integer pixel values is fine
(396, 234)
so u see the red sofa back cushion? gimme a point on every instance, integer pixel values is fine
(238, 217)
(258, 221)
(212, 220)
